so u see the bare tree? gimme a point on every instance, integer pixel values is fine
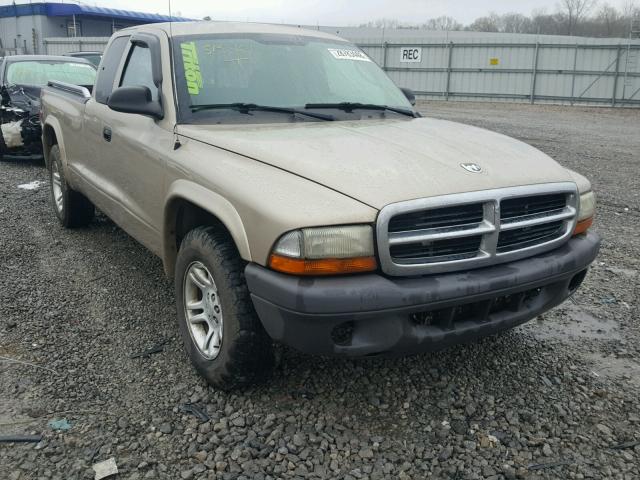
(574, 11)
(490, 23)
(383, 23)
(609, 17)
(631, 18)
(516, 23)
(543, 23)
(443, 23)
(631, 9)
(574, 16)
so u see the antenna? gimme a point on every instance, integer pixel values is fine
(170, 21)
(176, 142)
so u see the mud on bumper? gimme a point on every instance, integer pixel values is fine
(372, 314)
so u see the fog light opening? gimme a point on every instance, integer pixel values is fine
(576, 281)
(343, 334)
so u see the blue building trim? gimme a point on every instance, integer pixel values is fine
(7, 11)
(68, 10)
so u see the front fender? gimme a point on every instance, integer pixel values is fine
(215, 204)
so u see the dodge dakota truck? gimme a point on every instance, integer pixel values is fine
(295, 195)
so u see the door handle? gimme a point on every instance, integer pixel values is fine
(106, 134)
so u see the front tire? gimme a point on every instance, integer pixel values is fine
(72, 208)
(221, 331)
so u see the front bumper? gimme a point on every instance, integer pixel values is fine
(371, 314)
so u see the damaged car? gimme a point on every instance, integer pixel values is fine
(21, 80)
(93, 57)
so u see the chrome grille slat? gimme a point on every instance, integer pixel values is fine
(515, 239)
(539, 219)
(520, 218)
(440, 249)
(506, 224)
(542, 203)
(439, 233)
(463, 215)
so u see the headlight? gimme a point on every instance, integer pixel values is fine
(586, 213)
(325, 251)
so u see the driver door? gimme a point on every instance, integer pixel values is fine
(131, 165)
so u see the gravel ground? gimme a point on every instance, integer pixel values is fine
(550, 399)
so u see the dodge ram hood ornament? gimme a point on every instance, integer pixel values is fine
(471, 167)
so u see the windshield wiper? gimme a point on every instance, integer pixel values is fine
(249, 107)
(351, 106)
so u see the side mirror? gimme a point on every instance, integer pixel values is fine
(135, 100)
(410, 95)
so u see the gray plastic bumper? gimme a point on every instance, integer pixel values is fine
(372, 314)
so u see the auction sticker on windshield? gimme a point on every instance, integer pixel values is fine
(342, 54)
(192, 73)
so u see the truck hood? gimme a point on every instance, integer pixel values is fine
(379, 162)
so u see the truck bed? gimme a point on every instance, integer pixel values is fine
(80, 92)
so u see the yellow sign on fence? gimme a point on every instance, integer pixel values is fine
(494, 61)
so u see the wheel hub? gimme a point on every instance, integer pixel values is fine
(56, 186)
(203, 311)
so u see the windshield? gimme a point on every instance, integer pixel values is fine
(39, 72)
(276, 70)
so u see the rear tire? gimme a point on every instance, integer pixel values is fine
(221, 331)
(72, 208)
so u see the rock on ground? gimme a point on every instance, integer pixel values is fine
(560, 390)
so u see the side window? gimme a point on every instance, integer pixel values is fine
(138, 71)
(107, 73)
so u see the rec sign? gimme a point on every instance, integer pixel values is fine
(410, 54)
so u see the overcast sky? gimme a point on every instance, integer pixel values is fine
(338, 12)
(332, 12)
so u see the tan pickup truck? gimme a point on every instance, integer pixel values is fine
(294, 194)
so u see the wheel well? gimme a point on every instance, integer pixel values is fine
(190, 216)
(49, 139)
(183, 217)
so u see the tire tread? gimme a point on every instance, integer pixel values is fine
(78, 210)
(250, 357)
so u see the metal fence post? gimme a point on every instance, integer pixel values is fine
(615, 77)
(385, 45)
(534, 73)
(573, 74)
(449, 55)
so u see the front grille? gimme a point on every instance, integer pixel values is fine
(514, 208)
(471, 230)
(529, 236)
(466, 247)
(458, 216)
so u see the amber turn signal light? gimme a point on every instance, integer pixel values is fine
(325, 266)
(583, 226)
